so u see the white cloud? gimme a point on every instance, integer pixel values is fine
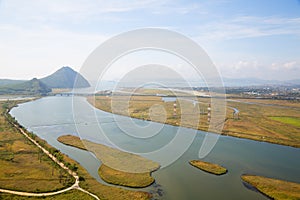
(87, 10)
(174, 7)
(240, 65)
(269, 71)
(291, 65)
(32, 53)
(275, 66)
(37, 33)
(249, 26)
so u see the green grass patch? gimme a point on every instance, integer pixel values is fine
(274, 188)
(288, 120)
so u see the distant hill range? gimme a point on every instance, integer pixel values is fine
(65, 77)
(31, 87)
(10, 82)
(242, 82)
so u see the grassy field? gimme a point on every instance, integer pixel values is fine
(285, 103)
(104, 191)
(154, 109)
(273, 188)
(117, 177)
(22, 166)
(153, 92)
(119, 168)
(209, 167)
(278, 123)
(265, 123)
(288, 120)
(72, 194)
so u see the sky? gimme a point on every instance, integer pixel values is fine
(259, 39)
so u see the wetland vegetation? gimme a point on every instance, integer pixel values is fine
(41, 174)
(209, 167)
(274, 188)
(25, 168)
(118, 167)
(274, 121)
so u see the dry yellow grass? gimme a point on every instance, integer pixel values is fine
(254, 122)
(72, 194)
(274, 188)
(288, 103)
(22, 166)
(33, 172)
(209, 167)
(154, 109)
(118, 167)
(71, 140)
(116, 177)
(105, 191)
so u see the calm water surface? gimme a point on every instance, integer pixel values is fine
(53, 116)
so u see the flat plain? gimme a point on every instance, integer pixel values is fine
(274, 121)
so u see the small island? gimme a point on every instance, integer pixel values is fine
(117, 177)
(118, 167)
(209, 167)
(274, 188)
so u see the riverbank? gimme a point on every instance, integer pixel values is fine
(73, 194)
(118, 167)
(16, 173)
(274, 188)
(255, 122)
(17, 146)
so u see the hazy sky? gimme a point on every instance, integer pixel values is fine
(243, 38)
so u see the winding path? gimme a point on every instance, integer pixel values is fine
(61, 164)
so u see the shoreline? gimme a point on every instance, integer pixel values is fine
(246, 136)
(272, 188)
(56, 158)
(86, 183)
(136, 173)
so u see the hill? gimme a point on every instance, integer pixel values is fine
(31, 87)
(65, 77)
(10, 82)
(241, 82)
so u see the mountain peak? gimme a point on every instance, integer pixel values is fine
(65, 68)
(65, 77)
